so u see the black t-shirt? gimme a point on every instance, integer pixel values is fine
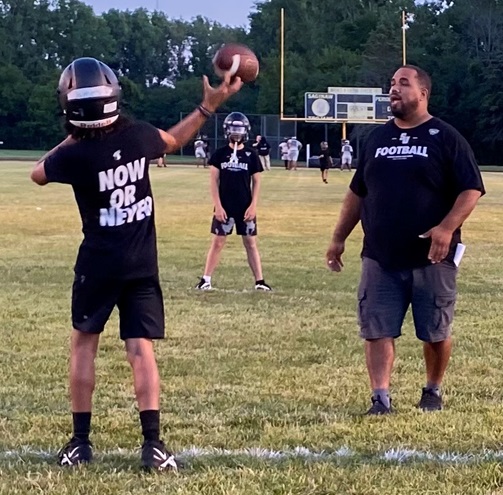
(325, 158)
(111, 184)
(235, 177)
(263, 148)
(409, 180)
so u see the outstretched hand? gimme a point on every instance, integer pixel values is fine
(214, 97)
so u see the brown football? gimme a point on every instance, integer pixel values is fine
(239, 60)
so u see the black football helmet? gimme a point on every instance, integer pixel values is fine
(89, 94)
(236, 127)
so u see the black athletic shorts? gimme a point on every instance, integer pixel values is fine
(140, 304)
(242, 227)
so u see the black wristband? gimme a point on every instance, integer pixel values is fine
(204, 111)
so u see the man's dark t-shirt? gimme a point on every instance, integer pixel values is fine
(111, 184)
(235, 177)
(409, 180)
(263, 148)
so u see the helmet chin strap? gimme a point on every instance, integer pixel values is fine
(235, 152)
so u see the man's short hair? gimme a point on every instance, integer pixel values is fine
(422, 76)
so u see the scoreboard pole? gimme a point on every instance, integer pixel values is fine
(282, 65)
(404, 44)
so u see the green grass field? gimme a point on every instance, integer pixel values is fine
(262, 393)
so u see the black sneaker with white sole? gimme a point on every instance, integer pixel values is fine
(261, 285)
(430, 400)
(75, 452)
(155, 456)
(203, 285)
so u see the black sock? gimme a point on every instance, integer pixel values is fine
(81, 425)
(261, 281)
(150, 424)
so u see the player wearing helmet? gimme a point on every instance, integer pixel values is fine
(346, 155)
(105, 158)
(235, 186)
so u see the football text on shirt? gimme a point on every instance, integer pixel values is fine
(402, 151)
(123, 206)
(234, 166)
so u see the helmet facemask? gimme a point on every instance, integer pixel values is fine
(236, 134)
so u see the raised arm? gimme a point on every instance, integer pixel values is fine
(180, 134)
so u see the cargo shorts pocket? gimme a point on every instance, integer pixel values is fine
(444, 311)
(362, 307)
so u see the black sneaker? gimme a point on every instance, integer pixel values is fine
(430, 400)
(75, 452)
(261, 285)
(203, 285)
(154, 455)
(378, 408)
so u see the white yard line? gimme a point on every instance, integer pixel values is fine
(394, 455)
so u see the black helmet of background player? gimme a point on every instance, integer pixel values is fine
(236, 127)
(89, 94)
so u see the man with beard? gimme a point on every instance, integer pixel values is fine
(416, 183)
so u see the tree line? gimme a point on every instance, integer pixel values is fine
(327, 43)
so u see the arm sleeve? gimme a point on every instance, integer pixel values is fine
(464, 166)
(64, 166)
(151, 137)
(255, 165)
(213, 160)
(357, 184)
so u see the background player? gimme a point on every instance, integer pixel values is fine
(235, 186)
(294, 146)
(262, 148)
(346, 155)
(200, 151)
(325, 161)
(283, 150)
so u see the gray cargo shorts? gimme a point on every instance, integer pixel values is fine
(385, 295)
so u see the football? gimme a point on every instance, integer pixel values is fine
(239, 60)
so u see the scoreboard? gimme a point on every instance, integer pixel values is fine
(352, 105)
(319, 106)
(382, 107)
